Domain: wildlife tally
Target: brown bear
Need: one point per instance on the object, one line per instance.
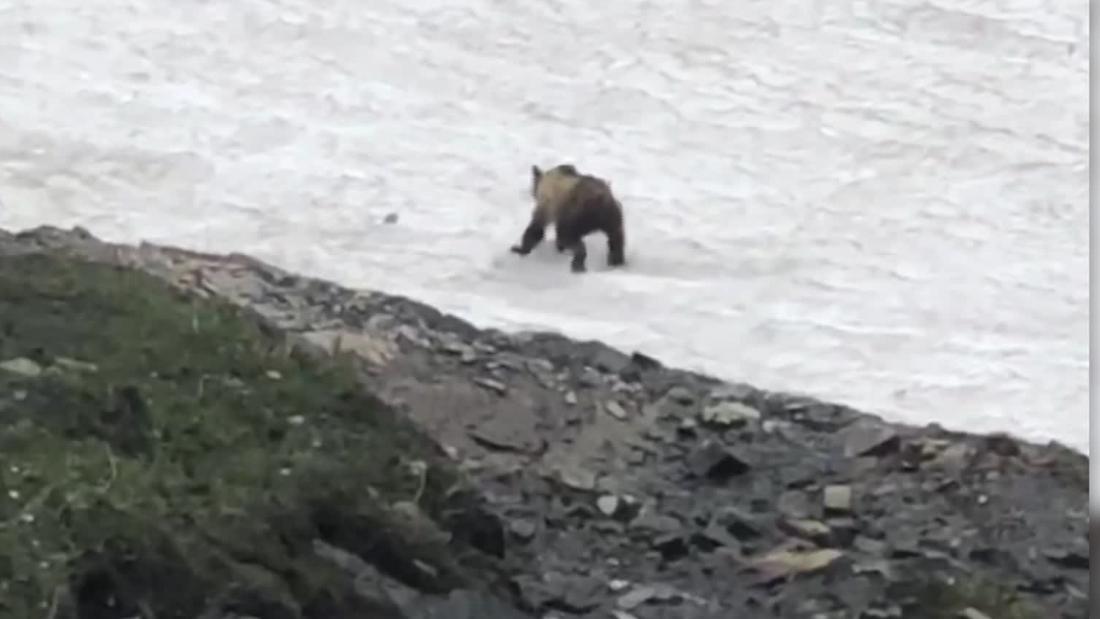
(577, 205)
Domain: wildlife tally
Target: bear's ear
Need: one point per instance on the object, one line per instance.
(568, 168)
(536, 173)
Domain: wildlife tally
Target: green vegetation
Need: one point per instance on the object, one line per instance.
(164, 455)
(930, 598)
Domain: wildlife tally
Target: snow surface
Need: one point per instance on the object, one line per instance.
(877, 202)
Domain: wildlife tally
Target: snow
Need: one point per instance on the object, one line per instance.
(881, 203)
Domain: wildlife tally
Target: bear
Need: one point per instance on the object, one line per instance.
(577, 205)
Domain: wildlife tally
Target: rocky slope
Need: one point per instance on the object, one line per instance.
(622, 488)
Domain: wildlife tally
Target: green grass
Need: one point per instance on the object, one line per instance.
(190, 463)
(937, 598)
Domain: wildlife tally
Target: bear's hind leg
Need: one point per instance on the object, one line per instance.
(580, 253)
(615, 246)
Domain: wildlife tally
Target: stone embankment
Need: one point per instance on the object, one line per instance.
(616, 487)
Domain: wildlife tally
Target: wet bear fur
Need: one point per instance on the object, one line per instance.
(576, 205)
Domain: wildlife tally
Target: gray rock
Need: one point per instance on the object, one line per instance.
(954, 458)
(590, 378)
(729, 414)
(714, 536)
(523, 529)
(573, 594)
(1002, 444)
(837, 498)
(618, 585)
(577, 478)
(813, 530)
(608, 504)
(973, 613)
(716, 462)
(869, 438)
(76, 365)
(681, 395)
(615, 409)
(788, 562)
(1069, 559)
(733, 391)
(610, 360)
(461, 604)
(642, 594)
(453, 345)
(390, 218)
(504, 433)
(492, 384)
(652, 522)
(570, 398)
(742, 525)
(672, 546)
(22, 367)
(795, 504)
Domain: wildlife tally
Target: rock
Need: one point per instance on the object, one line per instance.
(618, 585)
(390, 218)
(687, 427)
(577, 478)
(973, 613)
(681, 395)
(570, 398)
(782, 563)
(492, 384)
(795, 504)
(83, 366)
(1068, 559)
(838, 498)
(714, 536)
(843, 531)
(715, 462)
(891, 611)
(644, 362)
(642, 594)
(652, 522)
(610, 360)
(672, 547)
(931, 447)
(1002, 444)
(375, 350)
(733, 391)
(813, 530)
(954, 459)
(729, 414)
(515, 434)
(740, 524)
(869, 438)
(615, 409)
(590, 378)
(22, 367)
(608, 505)
(453, 345)
(569, 593)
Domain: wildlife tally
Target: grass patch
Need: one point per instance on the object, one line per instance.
(935, 598)
(165, 455)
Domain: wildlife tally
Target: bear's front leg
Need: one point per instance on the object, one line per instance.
(532, 236)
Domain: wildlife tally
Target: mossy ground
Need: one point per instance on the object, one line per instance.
(927, 598)
(186, 459)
